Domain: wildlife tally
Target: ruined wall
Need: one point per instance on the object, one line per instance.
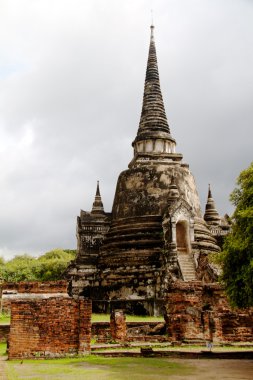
(196, 311)
(52, 327)
(135, 332)
(30, 289)
(36, 287)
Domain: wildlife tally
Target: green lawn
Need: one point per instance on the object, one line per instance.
(105, 368)
(102, 318)
(96, 368)
(129, 318)
(2, 349)
(4, 319)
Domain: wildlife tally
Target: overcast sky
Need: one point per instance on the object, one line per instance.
(71, 85)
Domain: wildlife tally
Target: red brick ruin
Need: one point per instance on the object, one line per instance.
(45, 321)
(33, 289)
(53, 327)
(58, 326)
(201, 311)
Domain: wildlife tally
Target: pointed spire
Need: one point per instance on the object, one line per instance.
(98, 190)
(211, 215)
(153, 121)
(97, 207)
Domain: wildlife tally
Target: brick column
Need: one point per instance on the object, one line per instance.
(85, 311)
(208, 325)
(218, 333)
(118, 325)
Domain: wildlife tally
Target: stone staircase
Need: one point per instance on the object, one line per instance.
(187, 266)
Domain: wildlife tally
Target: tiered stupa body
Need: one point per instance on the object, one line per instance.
(157, 233)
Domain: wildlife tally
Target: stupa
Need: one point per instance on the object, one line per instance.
(219, 226)
(155, 234)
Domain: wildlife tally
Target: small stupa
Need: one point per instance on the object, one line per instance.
(219, 226)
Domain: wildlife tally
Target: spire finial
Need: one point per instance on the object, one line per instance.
(152, 27)
(97, 207)
(98, 191)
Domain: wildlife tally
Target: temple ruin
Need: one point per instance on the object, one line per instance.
(156, 234)
(150, 255)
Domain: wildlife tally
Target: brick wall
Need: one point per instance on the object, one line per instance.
(197, 311)
(35, 287)
(15, 290)
(53, 327)
(135, 331)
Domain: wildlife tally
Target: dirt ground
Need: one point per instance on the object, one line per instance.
(2, 369)
(200, 369)
(217, 369)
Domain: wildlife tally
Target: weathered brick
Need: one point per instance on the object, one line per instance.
(55, 327)
(197, 311)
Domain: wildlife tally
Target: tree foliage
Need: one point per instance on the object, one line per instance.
(48, 267)
(237, 256)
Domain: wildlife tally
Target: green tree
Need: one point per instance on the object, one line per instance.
(237, 256)
(48, 267)
(52, 264)
(2, 262)
(20, 268)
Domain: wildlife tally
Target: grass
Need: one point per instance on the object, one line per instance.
(94, 368)
(3, 347)
(129, 318)
(100, 368)
(4, 319)
(140, 318)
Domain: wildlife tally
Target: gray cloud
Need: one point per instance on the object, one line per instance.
(71, 85)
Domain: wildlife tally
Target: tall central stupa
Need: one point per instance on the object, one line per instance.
(155, 234)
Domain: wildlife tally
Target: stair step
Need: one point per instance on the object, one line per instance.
(187, 267)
